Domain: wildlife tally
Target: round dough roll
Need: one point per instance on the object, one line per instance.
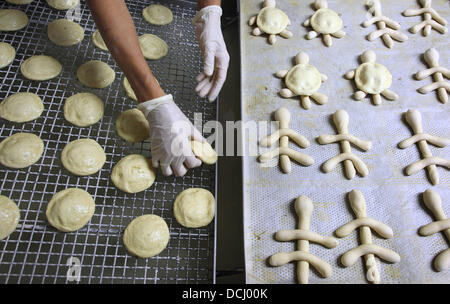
(63, 4)
(70, 209)
(9, 217)
(129, 90)
(64, 32)
(204, 152)
(83, 109)
(40, 67)
(132, 126)
(7, 54)
(194, 207)
(21, 107)
(98, 41)
(12, 20)
(21, 150)
(133, 173)
(157, 14)
(83, 157)
(146, 236)
(152, 46)
(95, 74)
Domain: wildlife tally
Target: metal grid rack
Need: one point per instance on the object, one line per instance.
(38, 253)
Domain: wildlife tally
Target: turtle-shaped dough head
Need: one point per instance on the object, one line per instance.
(272, 21)
(303, 80)
(325, 22)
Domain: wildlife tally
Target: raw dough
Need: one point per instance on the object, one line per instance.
(303, 208)
(272, 21)
(324, 22)
(194, 207)
(283, 116)
(21, 107)
(157, 14)
(132, 126)
(63, 4)
(152, 46)
(133, 173)
(432, 19)
(9, 217)
(83, 157)
(366, 249)
(98, 41)
(350, 160)
(70, 209)
(12, 20)
(304, 80)
(129, 89)
(414, 119)
(20, 2)
(146, 236)
(95, 74)
(64, 32)
(204, 152)
(40, 67)
(21, 150)
(83, 109)
(7, 54)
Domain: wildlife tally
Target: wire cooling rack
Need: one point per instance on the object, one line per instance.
(38, 253)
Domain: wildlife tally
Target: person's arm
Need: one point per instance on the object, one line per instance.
(117, 29)
(203, 3)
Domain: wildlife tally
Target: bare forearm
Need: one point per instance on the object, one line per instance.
(117, 29)
(203, 3)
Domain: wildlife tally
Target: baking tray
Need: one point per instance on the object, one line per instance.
(392, 197)
(36, 252)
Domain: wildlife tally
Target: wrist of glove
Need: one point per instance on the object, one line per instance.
(215, 55)
(170, 135)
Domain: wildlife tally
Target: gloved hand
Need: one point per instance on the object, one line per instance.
(170, 132)
(214, 50)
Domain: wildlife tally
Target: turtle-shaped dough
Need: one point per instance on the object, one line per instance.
(325, 22)
(372, 78)
(303, 80)
(272, 21)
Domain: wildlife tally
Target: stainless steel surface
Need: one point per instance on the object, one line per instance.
(36, 252)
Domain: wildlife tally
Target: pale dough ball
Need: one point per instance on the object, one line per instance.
(157, 14)
(83, 109)
(95, 74)
(152, 46)
(146, 236)
(12, 20)
(326, 21)
(372, 78)
(204, 152)
(21, 150)
(303, 79)
(7, 54)
(40, 67)
(133, 173)
(64, 32)
(70, 209)
(83, 157)
(21, 107)
(20, 2)
(98, 41)
(9, 217)
(194, 207)
(272, 20)
(132, 126)
(63, 4)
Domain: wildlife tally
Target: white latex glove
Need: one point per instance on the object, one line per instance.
(170, 132)
(214, 50)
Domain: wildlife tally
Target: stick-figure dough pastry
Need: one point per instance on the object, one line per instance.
(283, 116)
(431, 19)
(366, 249)
(438, 73)
(372, 78)
(387, 28)
(303, 80)
(272, 21)
(303, 208)
(351, 161)
(324, 22)
(428, 161)
(433, 202)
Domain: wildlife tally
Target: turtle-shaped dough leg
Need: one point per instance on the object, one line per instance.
(369, 57)
(302, 59)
